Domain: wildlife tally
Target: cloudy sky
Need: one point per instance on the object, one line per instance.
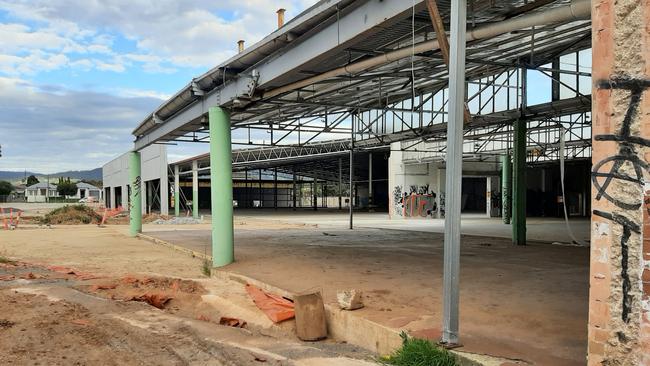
(76, 76)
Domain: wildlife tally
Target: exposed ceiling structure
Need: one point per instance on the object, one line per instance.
(371, 70)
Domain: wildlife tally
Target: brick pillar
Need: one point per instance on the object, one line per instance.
(619, 299)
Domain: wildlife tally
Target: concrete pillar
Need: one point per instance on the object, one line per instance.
(275, 188)
(135, 180)
(164, 189)
(506, 188)
(195, 189)
(488, 196)
(177, 192)
(370, 200)
(340, 183)
(111, 197)
(519, 185)
(619, 298)
(314, 193)
(125, 196)
(454, 176)
(293, 186)
(221, 187)
(261, 192)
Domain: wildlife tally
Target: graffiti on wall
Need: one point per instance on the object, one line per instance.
(419, 201)
(628, 168)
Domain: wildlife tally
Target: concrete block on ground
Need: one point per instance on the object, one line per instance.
(350, 299)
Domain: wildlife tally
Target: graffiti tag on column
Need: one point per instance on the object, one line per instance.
(136, 187)
(616, 168)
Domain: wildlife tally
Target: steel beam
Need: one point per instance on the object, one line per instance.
(519, 185)
(451, 266)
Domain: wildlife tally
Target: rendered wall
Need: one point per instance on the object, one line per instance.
(619, 299)
(154, 166)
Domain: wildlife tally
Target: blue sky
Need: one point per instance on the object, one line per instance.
(76, 76)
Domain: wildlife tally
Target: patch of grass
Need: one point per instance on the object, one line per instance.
(419, 352)
(5, 260)
(71, 214)
(206, 267)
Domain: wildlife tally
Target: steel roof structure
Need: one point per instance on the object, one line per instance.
(373, 66)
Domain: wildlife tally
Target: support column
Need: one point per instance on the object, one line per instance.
(454, 171)
(195, 188)
(135, 207)
(506, 188)
(340, 183)
(113, 201)
(370, 200)
(164, 190)
(351, 171)
(275, 188)
(221, 187)
(619, 283)
(314, 193)
(261, 192)
(177, 192)
(293, 186)
(519, 185)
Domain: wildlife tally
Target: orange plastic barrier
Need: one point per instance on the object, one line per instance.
(275, 307)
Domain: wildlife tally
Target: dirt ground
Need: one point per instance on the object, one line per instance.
(524, 303)
(84, 295)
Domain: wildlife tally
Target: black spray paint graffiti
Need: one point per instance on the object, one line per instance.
(614, 168)
(136, 187)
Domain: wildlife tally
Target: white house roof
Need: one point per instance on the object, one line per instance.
(41, 185)
(84, 185)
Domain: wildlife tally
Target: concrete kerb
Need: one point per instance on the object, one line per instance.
(342, 325)
(175, 247)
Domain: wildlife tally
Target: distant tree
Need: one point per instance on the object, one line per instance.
(93, 182)
(66, 188)
(5, 188)
(31, 180)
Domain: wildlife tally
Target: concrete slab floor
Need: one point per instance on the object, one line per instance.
(527, 303)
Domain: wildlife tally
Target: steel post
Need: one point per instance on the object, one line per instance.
(454, 172)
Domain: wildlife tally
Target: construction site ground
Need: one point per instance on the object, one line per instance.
(521, 303)
(525, 304)
(66, 297)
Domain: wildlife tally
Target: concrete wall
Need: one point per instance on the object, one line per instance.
(154, 166)
(619, 298)
(417, 189)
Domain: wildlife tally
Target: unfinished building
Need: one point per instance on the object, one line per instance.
(528, 108)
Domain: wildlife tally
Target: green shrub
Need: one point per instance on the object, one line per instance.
(419, 352)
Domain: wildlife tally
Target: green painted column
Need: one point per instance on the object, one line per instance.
(506, 188)
(221, 187)
(135, 204)
(519, 185)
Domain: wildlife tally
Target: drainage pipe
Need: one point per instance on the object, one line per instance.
(576, 10)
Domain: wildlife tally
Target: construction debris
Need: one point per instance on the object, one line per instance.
(310, 317)
(350, 299)
(275, 307)
(177, 221)
(232, 322)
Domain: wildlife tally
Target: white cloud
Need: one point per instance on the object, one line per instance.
(190, 33)
(51, 131)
